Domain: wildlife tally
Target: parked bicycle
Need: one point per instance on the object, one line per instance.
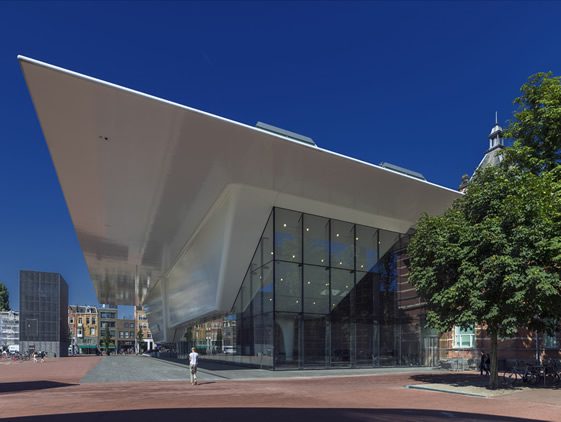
(520, 373)
(532, 374)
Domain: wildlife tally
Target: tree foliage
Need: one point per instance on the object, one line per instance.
(494, 258)
(140, 340)
(536, 129)
(4, 298)
(107, 342)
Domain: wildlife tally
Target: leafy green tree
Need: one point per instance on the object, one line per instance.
(494, 258)
(107, 339)
(219, 340)
(4, 298)
(140, 340)
(536, 130)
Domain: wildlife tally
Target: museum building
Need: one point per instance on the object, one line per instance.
(298, 252)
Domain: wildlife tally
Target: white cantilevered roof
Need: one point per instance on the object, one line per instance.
(140, 175)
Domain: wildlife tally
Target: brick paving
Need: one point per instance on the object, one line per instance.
(51, 392)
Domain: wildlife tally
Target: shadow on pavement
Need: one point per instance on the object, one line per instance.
(12, 387)
(270, 415)
(456, 379)
(475, 380)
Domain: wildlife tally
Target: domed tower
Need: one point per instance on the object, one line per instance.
(493, 155)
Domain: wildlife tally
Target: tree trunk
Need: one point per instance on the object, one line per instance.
(494, 378)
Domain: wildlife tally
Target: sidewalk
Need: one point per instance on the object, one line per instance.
(227, 371)
(118, 388)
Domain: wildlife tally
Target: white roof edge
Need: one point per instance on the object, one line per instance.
(22, 58)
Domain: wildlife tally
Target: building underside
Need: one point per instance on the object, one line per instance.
(169, 203)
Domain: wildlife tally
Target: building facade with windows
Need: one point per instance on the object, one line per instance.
(219, 228)
(108, 327)
(43, 313)
(9, 328)
(142, 325)
(125, 332)
(83, 324)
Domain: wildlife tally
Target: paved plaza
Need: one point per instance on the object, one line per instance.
(119, 388)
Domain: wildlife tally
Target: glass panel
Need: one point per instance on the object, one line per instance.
(316, 240)
(256, 291)
(364, 295)
(410, 339)
(335, 289)
(288, 235)
(342, 282)
(287, 330)
(258, 257)
(386, 241)
(288, 287)
(246, 295)
(316, 289)
(340, 342)
(266, 272)
(246, 337)
(267, 338)
(365, 339)
(267, 241)
(342, 244)
(315, 340)
(388, 346)
(366, 248)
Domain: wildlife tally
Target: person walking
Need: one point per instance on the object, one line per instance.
(193, 361)
(484, 363)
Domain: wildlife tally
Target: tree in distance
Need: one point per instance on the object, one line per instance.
(140, 340)
(107, 342)
(494, 258)
(4, 298)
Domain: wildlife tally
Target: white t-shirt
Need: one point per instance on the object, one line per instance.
(193, 356)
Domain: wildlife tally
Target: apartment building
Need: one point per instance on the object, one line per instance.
(83, 325)
(142, 325)
(107, 328)
(9, 328)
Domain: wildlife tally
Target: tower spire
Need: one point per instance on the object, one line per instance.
(495, 137)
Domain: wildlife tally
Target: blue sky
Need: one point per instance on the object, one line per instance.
(411, 83)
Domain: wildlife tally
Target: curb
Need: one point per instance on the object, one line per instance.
(442, 390)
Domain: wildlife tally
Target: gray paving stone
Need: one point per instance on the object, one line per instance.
(142, 368)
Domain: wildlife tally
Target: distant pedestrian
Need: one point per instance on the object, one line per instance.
(34, 357)
(484, 363)
(193, 362)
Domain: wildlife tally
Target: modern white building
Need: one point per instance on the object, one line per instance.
(9, 328)
(196, 216)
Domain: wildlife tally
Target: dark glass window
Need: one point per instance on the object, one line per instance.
(288, 235)
(316, 240)
(366, 248)
(287, 334)
(342, 244)
(288, 287)
(316, 289)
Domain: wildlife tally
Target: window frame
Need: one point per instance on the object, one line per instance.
(459, 334)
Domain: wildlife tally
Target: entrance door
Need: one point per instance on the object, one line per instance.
(430, 351)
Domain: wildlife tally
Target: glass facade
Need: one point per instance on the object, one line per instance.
(321, 293)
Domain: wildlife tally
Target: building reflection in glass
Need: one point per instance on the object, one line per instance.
(320, 293)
